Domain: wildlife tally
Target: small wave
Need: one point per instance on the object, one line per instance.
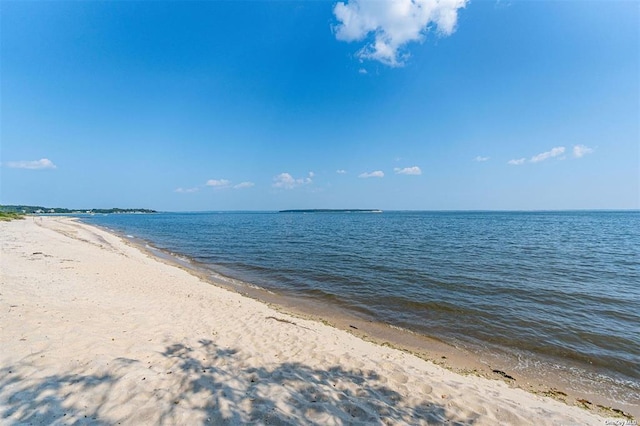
(180, 257)
(257, 287)
(402, 329)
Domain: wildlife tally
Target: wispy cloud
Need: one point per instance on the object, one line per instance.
(376, 174)
(393, 25)
(244, 185)
(186, 190)
(559, 150)
(341, 172)
(286, 181)
(481, 159)
(218, 183)
(43, 163)
(580, 151)
(415, 170)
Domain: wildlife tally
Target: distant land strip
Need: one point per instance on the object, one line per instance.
(58, 210)
(332, 211)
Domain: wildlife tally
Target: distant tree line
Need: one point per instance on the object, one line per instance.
(58, 210)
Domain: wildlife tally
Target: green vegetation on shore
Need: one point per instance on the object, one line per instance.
(58, 210)
(7, 216)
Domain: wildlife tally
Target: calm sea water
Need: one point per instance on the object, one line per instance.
(555, 287)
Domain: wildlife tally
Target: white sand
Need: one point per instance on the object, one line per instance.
(94, 331)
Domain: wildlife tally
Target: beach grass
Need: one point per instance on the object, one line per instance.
(7, 216)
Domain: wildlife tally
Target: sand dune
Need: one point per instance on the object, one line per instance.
(94, 331)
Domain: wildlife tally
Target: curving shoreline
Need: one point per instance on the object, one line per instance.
(115, 335)
(564, 382)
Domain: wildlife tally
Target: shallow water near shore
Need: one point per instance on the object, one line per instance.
(552, 293)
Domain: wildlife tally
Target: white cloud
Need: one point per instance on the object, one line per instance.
(580, 151)
(43, 163)
(363, 71)
(286, 181)
(341, 172)
(480, 159)
(218, 183)
(186, 190)
(393, 24)
(244, 185)
(377, 174)
(559, 150)
(415, 170)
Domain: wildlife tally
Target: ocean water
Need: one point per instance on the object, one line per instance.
(554, 290)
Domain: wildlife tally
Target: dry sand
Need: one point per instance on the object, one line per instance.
(94, 331)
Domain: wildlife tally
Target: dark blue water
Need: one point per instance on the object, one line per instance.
(561, 286)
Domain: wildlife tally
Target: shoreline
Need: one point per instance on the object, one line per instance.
(546, 378)
(86, 325)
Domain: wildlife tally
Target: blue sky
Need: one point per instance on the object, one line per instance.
(264, 105)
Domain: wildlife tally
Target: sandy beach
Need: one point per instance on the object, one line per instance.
(95, 331)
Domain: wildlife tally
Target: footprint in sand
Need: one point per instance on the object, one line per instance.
(399, 377)
(426, 389)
